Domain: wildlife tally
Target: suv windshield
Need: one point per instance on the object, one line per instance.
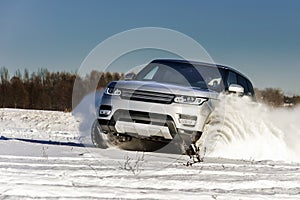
(185, 74)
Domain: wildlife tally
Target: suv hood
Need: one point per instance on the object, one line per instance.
(164, 88)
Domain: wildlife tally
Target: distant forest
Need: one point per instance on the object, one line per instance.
(47, 90)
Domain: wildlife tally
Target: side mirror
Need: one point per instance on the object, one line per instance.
(235, 88)
(129, 76)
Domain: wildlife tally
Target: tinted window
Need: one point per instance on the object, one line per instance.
(200, 76)
(150, 74)
(243, 82)
(250, 87)
(232, 79)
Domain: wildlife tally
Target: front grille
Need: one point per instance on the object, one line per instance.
(154, 97)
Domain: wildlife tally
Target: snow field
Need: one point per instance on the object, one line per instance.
(30, 170)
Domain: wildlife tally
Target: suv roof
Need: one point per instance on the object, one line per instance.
(198, 63)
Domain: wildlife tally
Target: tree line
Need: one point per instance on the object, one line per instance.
(47, 90)
(276, 98)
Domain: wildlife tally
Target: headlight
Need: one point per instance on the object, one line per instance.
(190, 100)
(112, 91)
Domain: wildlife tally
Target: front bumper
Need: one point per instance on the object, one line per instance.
(139, 124)
(146, 120)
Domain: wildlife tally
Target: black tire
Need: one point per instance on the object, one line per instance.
(98, 137)
(213, 134)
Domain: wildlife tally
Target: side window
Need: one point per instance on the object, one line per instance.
(250, 87)
(232, 79)
(243, 82)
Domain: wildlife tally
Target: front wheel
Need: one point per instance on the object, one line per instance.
(213, 135)
(97, 136)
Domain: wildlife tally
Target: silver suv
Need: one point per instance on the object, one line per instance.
(165, 100)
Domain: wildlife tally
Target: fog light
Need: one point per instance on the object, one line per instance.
(104, 112)
(187, 120)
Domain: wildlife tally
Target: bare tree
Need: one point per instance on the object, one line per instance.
(18, 93)
(271, 96)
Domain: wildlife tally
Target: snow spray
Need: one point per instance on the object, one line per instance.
(242, 129)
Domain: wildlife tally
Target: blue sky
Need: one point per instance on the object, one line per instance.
(260, 38)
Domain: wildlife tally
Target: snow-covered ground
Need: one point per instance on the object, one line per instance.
(41, 157)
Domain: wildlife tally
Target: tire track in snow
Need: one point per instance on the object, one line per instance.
(87, 178)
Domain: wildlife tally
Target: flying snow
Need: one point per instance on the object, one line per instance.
(242, 129)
